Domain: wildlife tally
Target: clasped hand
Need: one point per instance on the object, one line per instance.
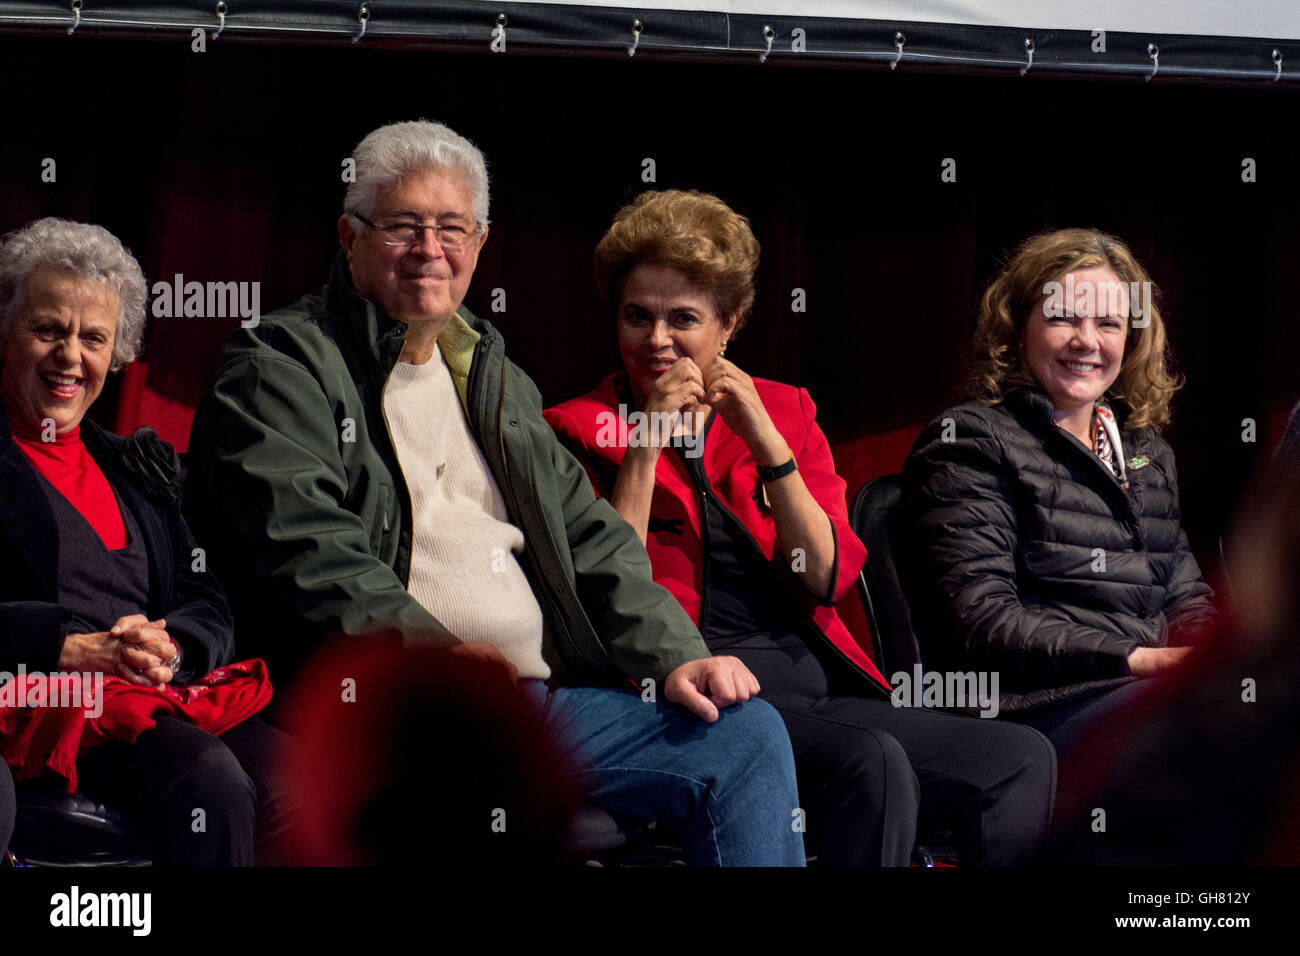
(729, 391)
(135, 648)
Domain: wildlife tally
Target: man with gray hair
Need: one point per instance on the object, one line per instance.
(368, 465)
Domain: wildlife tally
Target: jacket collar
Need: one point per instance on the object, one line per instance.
(109, 450)
(373, 333)
(457, 343)
(368, 329)
(1032, 404)
(1034, 409)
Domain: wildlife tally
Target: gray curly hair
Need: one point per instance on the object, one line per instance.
(389, 154)
(88, 251)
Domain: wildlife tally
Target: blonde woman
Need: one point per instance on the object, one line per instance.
(1048, 544)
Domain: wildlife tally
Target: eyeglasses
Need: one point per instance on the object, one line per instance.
(453, 237)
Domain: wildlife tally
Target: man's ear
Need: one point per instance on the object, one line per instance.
(347, 234)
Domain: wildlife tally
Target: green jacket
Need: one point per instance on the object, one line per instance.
(294, 489)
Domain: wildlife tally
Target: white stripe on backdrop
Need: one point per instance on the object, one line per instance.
(1274, 19)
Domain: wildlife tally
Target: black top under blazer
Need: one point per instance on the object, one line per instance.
(1026, 555)
(145, 473)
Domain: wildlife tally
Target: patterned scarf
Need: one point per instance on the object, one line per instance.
(1106, 442)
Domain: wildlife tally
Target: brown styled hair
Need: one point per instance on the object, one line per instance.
(1146, 381)
(695, 233)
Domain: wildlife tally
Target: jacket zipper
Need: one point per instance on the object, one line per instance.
(558, 615)
(703, 497)
(400, 487)
(1129, 494)
(737, 523)
(1079, 447)
(1135, 520)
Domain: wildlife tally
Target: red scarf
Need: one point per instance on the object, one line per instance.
(39, 736)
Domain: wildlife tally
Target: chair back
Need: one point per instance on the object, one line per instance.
(874, 516)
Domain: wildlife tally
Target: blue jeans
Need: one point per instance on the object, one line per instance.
(730, 784)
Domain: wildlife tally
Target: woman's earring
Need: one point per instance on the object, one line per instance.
(723, 350)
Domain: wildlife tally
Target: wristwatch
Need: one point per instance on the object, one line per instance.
(767, 474)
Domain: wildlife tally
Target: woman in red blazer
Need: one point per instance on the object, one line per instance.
(731, 485)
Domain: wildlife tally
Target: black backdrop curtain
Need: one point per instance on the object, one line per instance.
(225, 165)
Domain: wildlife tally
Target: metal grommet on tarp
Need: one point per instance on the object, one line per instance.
(363, 18)
(76, 17)
(1277, 62)
(221, 18)
(899, 41)
(637, 27)
(768, 35)
(1153, 52)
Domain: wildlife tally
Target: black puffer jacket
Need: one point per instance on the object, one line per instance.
(1029, 558)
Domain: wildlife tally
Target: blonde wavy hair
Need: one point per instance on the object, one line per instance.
(1146, 381)
(696, 234)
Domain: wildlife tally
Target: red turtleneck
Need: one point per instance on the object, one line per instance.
(69, 468)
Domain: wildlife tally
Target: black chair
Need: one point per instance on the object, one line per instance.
(874, 517)
(57, 828)
(598, 837)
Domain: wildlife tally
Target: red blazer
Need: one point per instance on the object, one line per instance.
(674, 537)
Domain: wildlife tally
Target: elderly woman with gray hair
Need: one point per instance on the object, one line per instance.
(98, 573)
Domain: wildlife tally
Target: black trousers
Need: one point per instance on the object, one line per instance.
(1069, 725)
(871, 775)
(8, 806)
(200, 800)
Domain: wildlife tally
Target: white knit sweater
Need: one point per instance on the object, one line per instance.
(464, 565)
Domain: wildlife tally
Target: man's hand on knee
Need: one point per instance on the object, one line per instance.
(704, 685)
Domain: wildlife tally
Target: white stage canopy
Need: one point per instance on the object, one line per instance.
(1169, 40)
(1273, 19)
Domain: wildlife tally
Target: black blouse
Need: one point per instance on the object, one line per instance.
(744, 605)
